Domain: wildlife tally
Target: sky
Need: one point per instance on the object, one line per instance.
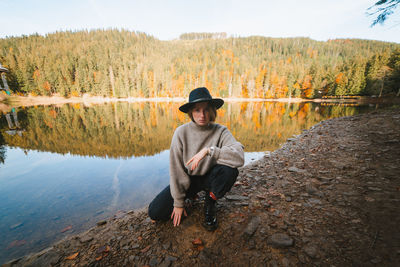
(166, 20)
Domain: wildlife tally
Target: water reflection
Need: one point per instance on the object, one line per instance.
(136, 129)
(69, 166)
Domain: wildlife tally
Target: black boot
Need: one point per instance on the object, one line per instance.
(210, 214)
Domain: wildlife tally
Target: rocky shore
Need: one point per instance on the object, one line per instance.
(329, 197)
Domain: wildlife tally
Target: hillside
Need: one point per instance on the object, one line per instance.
(133, 64)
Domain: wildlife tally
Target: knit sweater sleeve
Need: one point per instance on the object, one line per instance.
(229, 152)
(179, 179)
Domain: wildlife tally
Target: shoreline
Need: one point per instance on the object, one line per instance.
(9, 102)
(288, 208)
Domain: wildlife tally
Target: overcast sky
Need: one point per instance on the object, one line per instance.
(166, 20)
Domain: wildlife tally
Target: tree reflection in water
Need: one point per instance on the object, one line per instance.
(135, 129)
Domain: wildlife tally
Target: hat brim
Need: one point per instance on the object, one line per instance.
(216, 102)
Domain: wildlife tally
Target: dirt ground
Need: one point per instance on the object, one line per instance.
(329, 197)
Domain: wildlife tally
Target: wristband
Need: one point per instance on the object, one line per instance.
(210, 150)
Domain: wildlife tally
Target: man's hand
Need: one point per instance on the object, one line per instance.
(197, 158)
(176, 215)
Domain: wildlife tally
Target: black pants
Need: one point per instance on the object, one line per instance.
(218, 180)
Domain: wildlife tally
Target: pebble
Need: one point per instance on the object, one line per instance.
(311, 251)
(314, 201)
(167, 245)
(374, 188)
(311, 189)
(280, 240)
(297, 170)
(100, 223)
(236, 197)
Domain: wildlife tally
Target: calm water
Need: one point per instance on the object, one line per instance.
(66, 167)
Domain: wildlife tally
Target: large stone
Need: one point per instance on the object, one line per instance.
(168, 261)
(251, 227)
(280, 240)
(85, 238)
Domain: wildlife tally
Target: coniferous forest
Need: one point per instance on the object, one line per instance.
(119, 63)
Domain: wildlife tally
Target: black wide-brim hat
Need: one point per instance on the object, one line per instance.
(201, 94)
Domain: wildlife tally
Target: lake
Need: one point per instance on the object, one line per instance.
(65, 167)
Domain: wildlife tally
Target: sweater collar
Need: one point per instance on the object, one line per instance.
(201, 128)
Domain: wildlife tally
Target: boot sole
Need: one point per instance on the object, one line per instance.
(210, 228)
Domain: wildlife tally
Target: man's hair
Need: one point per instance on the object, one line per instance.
(211, 109)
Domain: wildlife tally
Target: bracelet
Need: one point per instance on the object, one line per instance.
(210, 151)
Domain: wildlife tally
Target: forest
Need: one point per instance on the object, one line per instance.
(120, 63)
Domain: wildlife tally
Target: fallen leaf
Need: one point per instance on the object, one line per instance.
(199, 248)
(103, 249)
(16, 243)
(238, 183)
(261, 197)
(197, 242)
(73, 256)
(146, 249)
(69, 227)
(140, 238)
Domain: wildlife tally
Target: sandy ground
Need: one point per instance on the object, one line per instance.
(329, 197)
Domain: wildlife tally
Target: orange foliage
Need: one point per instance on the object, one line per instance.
(260, 81)
(180, 84)
(53, 113)
(153, 115)
(312, 53)
(49, 124)
(245, 90)
(36, 74)
(46, 86)
(150, 79)
(339, 78)
(306, 87)
(221, 113)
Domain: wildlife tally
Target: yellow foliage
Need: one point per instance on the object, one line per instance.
(74, 93)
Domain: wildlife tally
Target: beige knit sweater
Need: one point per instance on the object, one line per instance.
(187, 141)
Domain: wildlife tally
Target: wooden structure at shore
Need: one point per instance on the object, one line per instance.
(3, 78)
